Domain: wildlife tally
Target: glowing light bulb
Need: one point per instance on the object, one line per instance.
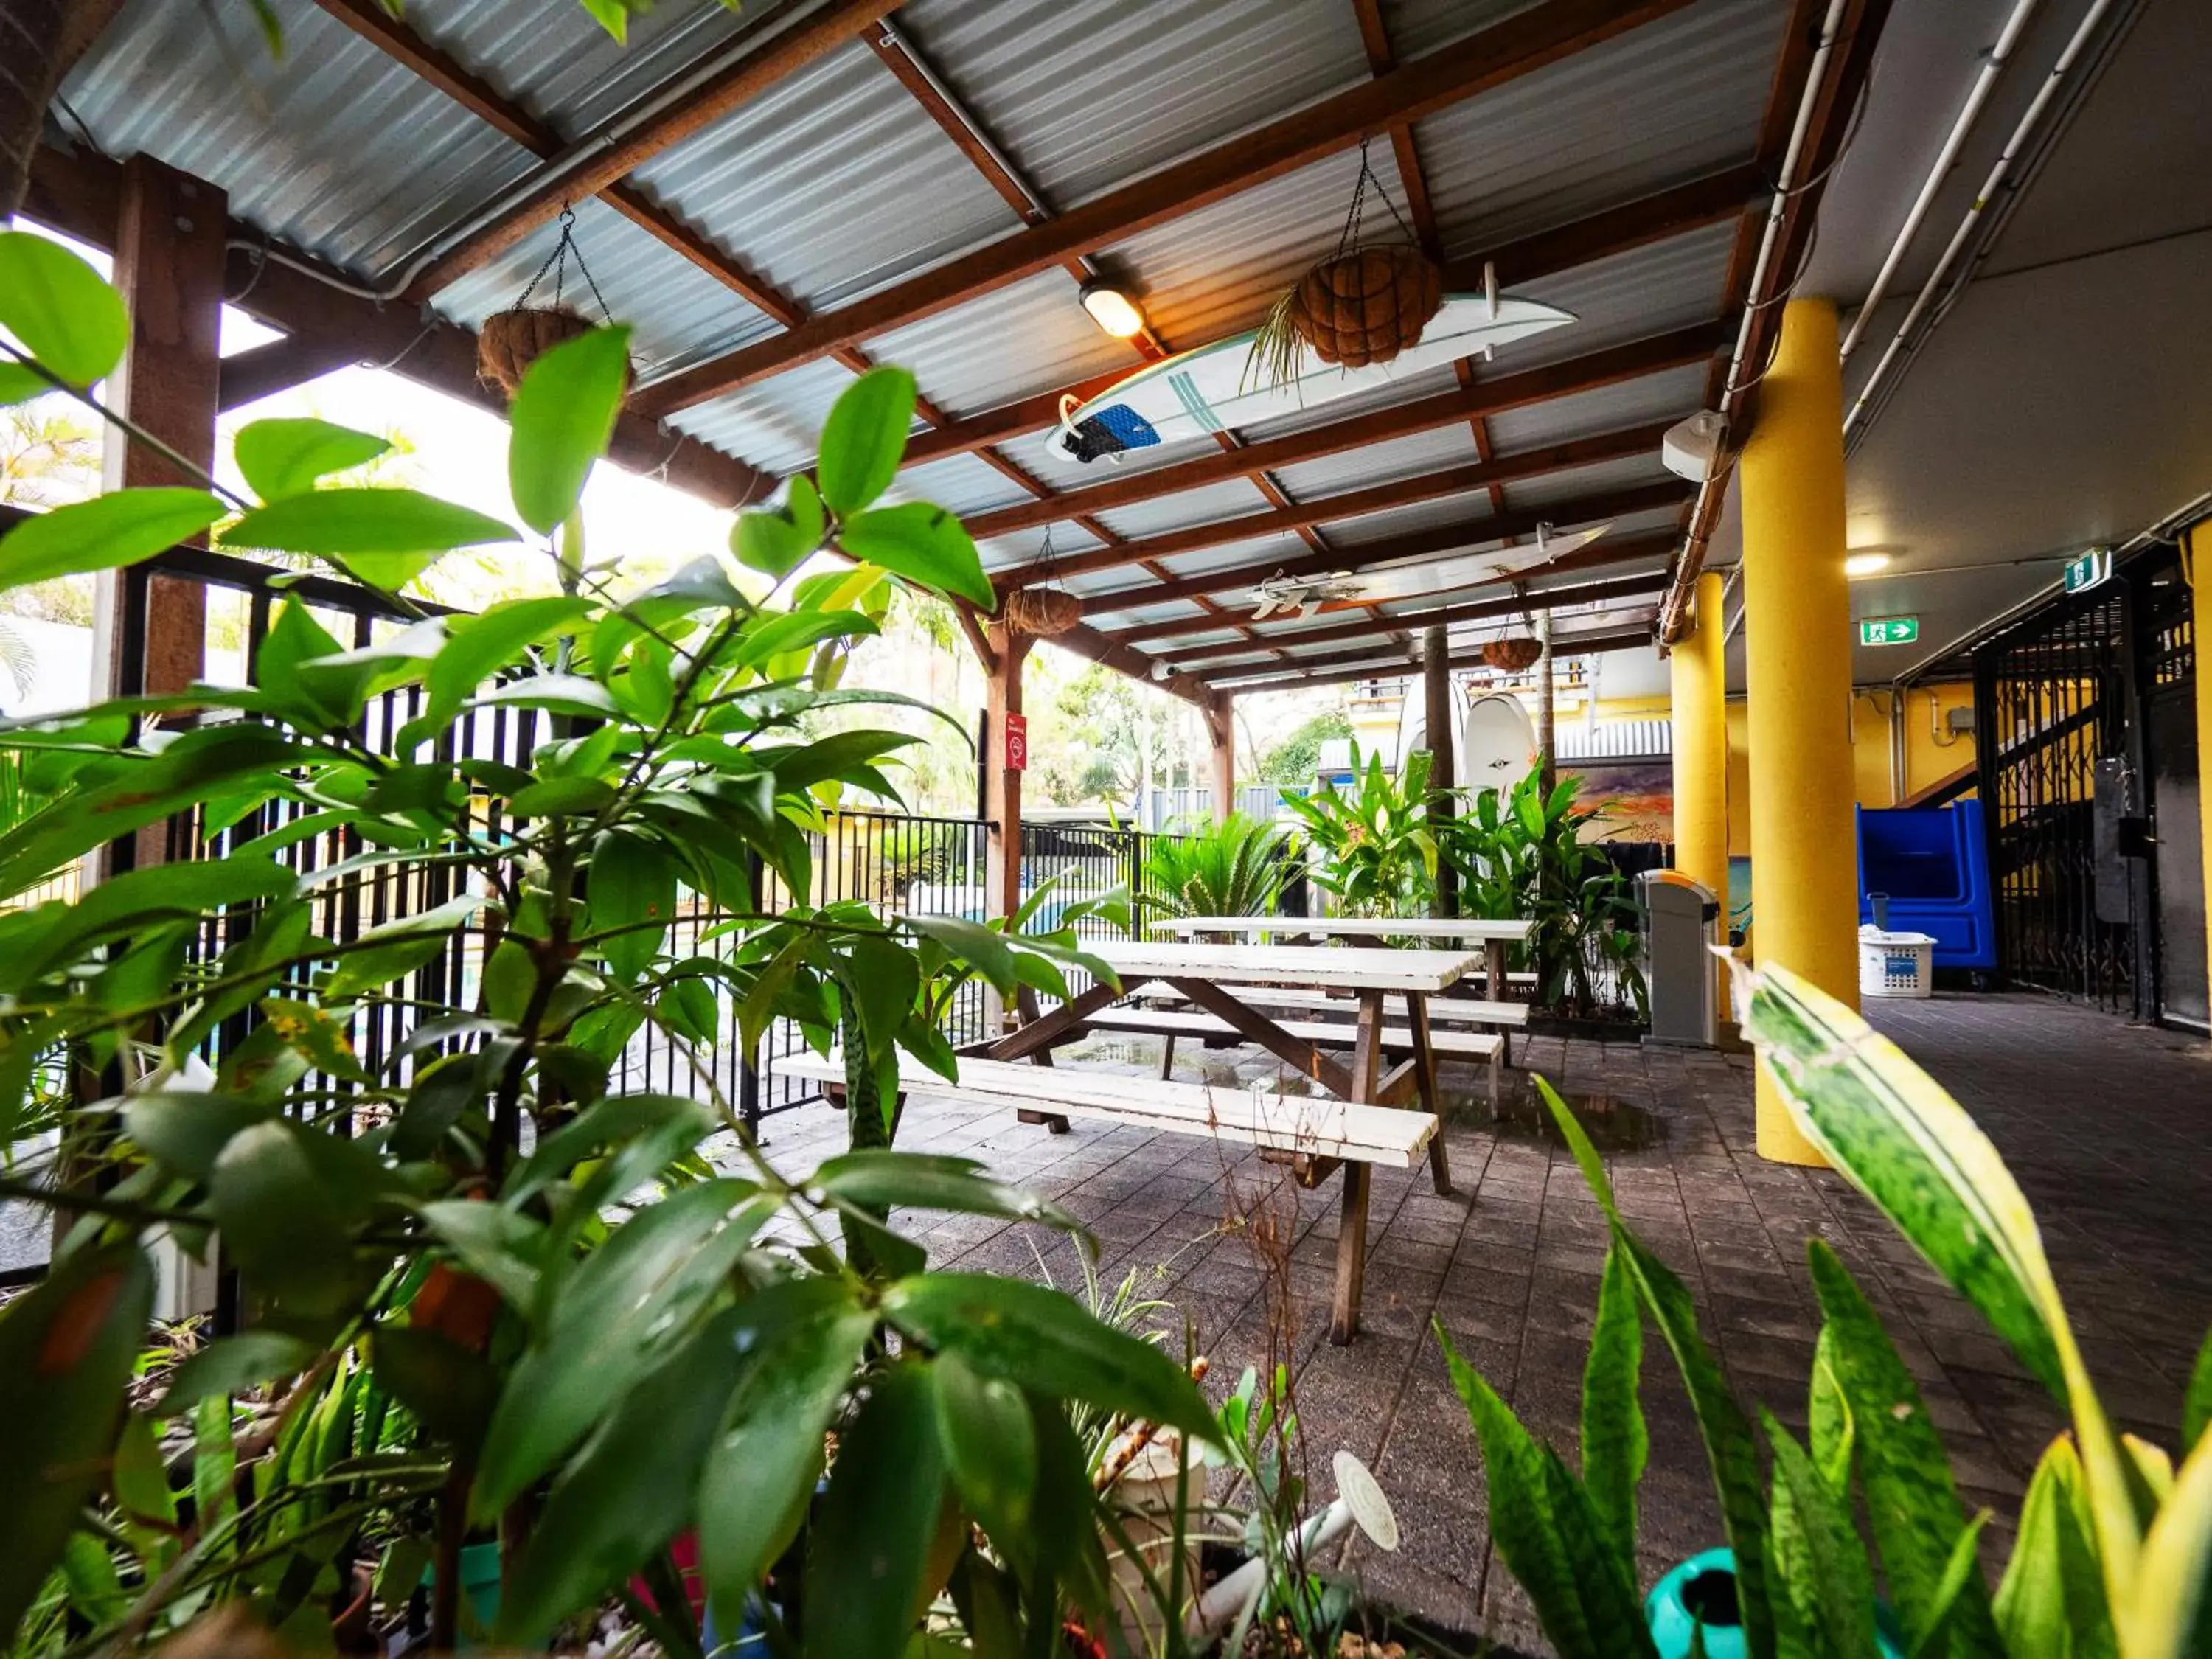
(1112, 309)
(1865, 564)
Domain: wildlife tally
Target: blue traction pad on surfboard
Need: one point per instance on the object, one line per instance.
(1122, 427)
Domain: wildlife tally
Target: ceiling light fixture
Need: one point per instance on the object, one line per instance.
(1865, 564)
(1111, 309)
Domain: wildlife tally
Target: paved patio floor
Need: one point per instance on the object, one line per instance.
(2106, 1127)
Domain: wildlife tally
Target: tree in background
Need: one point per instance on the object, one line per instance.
(1297, 756)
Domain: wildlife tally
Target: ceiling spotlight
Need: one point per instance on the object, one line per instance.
(1865, 564)
(1112, 309)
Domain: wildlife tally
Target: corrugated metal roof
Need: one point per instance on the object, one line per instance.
(1386, 463)
(1671, 100)
(1087, 97)
(1539, 495)
(832, 184)
(837, 182)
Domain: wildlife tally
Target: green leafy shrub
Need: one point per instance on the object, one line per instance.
(1233, 868)
(2115, 1543)
(1375, 843)
(493, 1293)
(1519, 854)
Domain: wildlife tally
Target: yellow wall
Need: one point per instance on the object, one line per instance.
(1931, 754)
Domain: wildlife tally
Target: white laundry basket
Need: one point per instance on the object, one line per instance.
(1896, 965)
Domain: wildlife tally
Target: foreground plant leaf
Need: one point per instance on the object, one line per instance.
(103, 533)
(281, 458)
(66, 1348)
(559, 422)
(869, 1548)
(1616, 1444)
(57, 304)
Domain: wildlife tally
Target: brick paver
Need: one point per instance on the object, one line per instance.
(2105, 1126)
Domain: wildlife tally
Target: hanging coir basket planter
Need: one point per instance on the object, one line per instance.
(1041, 609)
(1365, 304)
(511, 340)
(1514, 655)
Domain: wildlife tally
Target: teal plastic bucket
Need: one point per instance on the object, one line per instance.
(1699, 1596)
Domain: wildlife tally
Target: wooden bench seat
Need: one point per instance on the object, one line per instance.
(1316, 1134)
(1169, 1023)
(1314, 1125)
(1454, 1011)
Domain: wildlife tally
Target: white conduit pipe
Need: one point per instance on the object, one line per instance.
(1946, 159)
(2015, 147)
(1670, 611)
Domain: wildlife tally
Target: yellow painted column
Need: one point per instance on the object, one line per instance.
(2200, 591)
(1698, 674)
(1797, 638)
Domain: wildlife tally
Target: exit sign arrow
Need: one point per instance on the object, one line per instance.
(1889, 630)
(2089, 569)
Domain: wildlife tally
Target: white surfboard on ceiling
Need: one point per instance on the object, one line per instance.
(1500, 745)
(1219, 387)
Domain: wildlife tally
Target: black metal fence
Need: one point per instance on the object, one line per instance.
(2064, 699)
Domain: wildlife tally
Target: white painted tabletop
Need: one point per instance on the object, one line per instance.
(1349, 967)
(1452, 927)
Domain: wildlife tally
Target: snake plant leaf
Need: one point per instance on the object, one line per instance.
(2051, 1599)
(1722, 1424)
(2169, 1594)
(1616, 1444)
(1828, 1415)
(1963, 1568)
(1820, 1560)
(1912, 1505)
(1894, 1133)
(2197, 1406)
(1550, 1533)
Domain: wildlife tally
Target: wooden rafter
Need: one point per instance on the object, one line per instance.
(774, 59)
(1366, 555)
(1364, 654)
(1530, 385)
(78, 193)
(262, 371)
(1207, 658)
(1639, 632)
(1602, 235)
(1598, 556)
(1356, 503)
(1489, 58)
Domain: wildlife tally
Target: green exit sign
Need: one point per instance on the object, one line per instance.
(2089, 569)
(1889, 630)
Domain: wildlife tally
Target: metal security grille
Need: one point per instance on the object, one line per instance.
(2059, 700)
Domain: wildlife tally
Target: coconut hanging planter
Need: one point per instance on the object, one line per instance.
(1363, 305)
(1041, 609)
(1367, 306)
(1512, 655)
(511, 340)
(1044, 611)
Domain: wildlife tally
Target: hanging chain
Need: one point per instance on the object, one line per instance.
(1042, 566)
(557, 262)
(1350, 239)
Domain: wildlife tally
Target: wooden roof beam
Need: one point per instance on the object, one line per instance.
(1529, 385)
(1602, 235)
(1597, 555)
(1206, 659)
(1606, 639)
(614, 151)
(1351, 504)
(1489, 58)
(1366, 555)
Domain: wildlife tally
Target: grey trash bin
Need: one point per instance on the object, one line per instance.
(1681, 923)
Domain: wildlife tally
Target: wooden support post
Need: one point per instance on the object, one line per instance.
(1547, 722)
(1002, 786)
(1437, 718)
(168, 267)
(1221, 726)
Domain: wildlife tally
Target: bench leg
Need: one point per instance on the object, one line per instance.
(1424, 1073)
(1351, 1256)
(1056, 1124)
(1496, 1077)
(1167, 1056)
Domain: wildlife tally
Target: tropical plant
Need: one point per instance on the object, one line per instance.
(1232, 868)
(2115, 1542)
(1375, 845)
(1520, 853)
(495, 1297)
(1297, 758)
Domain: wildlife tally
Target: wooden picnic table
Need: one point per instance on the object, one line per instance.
(1203, 973)
(1493, 936)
